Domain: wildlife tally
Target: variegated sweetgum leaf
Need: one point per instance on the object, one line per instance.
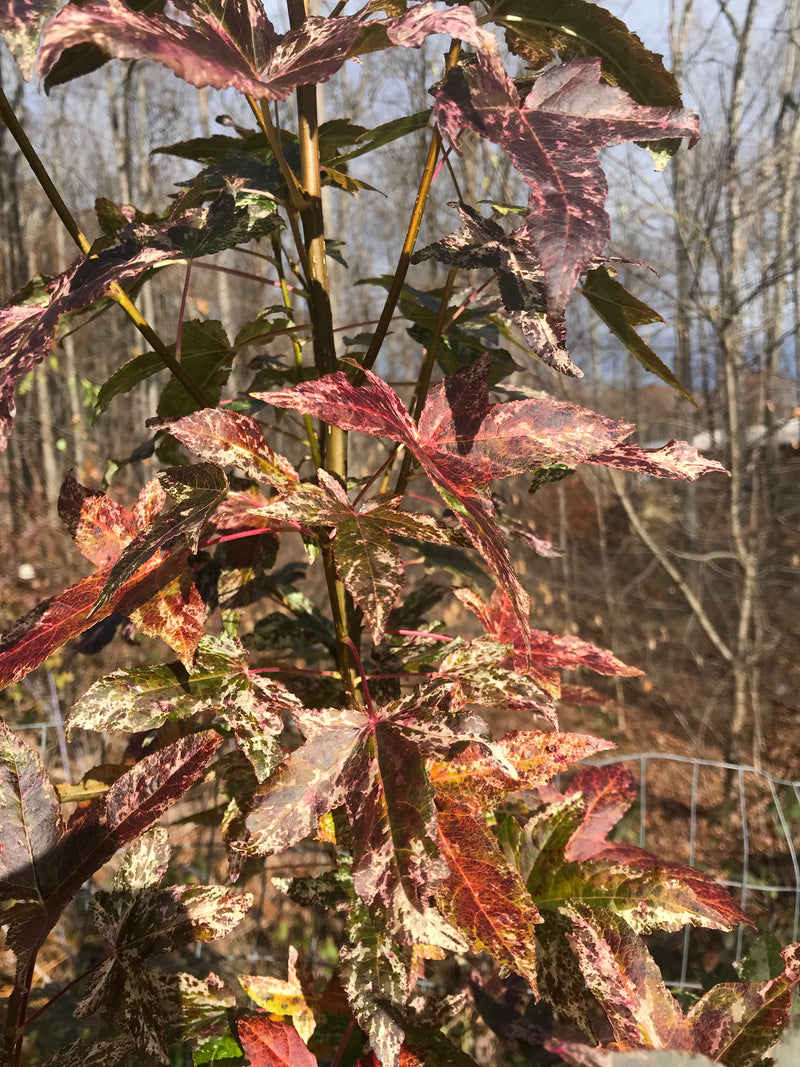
(30, 829)
(56, 620)
(736, 1023)
(552, 138)
(230, 439)
(220, 682)
(28, 331)
(306, 785)
(483, 895)
(273, 1044)
(478, 667)
(565, 858)
(211, 47)
(548, 654)
(89, 1053)
(145, 862)
(622, 975)
(100, 527)
(524, 759)
(293, 997)
(607, 793)
(376, 973)
(125, 811)
(195, 491)
(483, 243)
(536, 28)
(367, 560)
(373, 761)
(463, 440)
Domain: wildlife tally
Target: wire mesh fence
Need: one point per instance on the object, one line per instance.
(753, 852)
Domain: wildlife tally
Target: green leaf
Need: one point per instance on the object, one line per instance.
(369, 140)
(621, 312)
(217, 1051)
(207, 356)
(146, 697)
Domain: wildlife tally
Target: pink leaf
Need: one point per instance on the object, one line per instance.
(553, 138)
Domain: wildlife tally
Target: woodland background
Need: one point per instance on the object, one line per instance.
(695, 584)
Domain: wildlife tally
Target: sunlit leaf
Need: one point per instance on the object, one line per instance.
(622, 975)
(273, 1044)
(228, 438)
(284, 997)
(552, 138)
(484, 896)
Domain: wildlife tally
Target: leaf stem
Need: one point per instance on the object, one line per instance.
(423, 384)
(411, 237)
(319, 307)
(313, 442)
(115, 290)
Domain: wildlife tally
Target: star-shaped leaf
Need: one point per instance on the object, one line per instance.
(552, 138)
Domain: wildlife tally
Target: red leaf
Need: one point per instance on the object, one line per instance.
(553, 139)
(26, 333)
(100, 527)
(737, 1022)
(241, 49)
(132, 804)
(484, 896)
(608, 792)
(271, 1044)
(548, 653)
(463, 440)
(228, 438)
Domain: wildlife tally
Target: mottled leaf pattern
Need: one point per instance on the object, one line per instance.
(367, 560)
(483, 243)
(244, 53)
(30, 829)
(552, 138)
(737, 1022)
(622, 975)
(464, 440)
(483, 896)
(228, 438)
(219, 682)
(377, 982)
(195, 491)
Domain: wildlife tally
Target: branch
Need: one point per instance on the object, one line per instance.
(661, 557)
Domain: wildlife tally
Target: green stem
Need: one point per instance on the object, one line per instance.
(424, 381)
(404, 260)
(313, 443)
(319, 307)
(297, 200)
(115, 291)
